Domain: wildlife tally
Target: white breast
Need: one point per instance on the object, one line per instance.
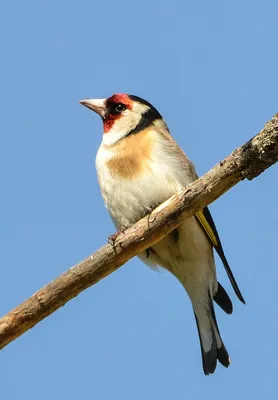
(128, 200)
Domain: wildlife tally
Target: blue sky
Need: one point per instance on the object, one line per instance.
(211, 70)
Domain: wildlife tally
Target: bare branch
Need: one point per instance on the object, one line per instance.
(248, 161)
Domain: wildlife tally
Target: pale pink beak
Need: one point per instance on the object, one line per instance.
(96, 105)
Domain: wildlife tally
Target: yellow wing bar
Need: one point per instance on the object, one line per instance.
(205, 220)
(207, 228)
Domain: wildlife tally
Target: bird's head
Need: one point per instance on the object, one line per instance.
(123, 115)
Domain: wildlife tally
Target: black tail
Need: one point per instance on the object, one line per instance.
(223, 300)
(212, 346)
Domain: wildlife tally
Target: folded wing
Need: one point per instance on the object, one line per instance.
(206, 222)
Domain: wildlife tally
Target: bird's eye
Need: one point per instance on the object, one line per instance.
(119, 108)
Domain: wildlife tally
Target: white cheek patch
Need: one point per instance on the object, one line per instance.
(122, 126)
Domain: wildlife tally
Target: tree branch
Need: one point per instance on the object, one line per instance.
(248, 161)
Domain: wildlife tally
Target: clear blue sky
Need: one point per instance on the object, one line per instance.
(210, 67)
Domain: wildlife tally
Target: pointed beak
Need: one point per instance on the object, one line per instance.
(96, 105)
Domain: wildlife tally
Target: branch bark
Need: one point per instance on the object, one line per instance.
(246, 162)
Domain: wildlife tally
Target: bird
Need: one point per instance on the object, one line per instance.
(139, 166)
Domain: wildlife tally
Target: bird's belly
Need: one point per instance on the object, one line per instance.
(130, 200)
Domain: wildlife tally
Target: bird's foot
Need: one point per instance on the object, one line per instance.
(112, 238)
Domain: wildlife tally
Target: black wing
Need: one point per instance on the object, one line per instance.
(205, 220)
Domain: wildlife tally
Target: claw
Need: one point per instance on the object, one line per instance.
(112, 238)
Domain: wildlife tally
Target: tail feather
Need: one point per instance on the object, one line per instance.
(222, 354)
(209, 357)
(212, 346)
(223, 300)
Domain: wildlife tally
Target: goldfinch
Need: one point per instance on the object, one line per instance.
(139, 166)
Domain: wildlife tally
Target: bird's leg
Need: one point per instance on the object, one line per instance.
(112, 238)
(150, 209)
(175, 235)
(148, 213)
(150, 250)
